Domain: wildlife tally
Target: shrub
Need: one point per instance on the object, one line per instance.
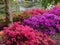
(55, 11)
(47, 23)
(28, 13)
(24, 35)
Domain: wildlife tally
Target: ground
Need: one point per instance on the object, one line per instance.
(56, 37)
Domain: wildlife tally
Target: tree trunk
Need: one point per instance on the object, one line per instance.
(9, 20)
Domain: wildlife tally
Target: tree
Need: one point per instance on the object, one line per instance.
(9, 20)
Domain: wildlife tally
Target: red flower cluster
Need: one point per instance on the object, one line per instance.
(34, 11)
(37, 11)
(24, 35)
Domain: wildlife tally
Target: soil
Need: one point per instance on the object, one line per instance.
(56, 37)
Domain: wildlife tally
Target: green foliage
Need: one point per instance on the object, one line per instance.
(46, 2)
(26, 4)
(2, 7)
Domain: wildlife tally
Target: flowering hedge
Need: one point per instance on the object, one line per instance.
(36, 11)
(24, 35)
(32, 12)
(47, 23)
(28, 13)
(55, 10)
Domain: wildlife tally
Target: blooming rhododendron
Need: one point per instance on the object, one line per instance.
(32, 12)
(28, 13)
(47, 23)
(55, 10)
(36, 11)
(24, 35)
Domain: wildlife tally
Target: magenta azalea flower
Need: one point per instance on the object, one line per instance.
(47, 23)
(24, 35)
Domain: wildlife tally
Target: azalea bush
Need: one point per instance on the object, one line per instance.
(47, 23)
(32, 12)
(36, 11)
(55, 10)
(24, 35)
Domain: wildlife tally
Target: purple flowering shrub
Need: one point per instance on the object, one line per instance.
(47, 23)
(55, 10)
(24, 35)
